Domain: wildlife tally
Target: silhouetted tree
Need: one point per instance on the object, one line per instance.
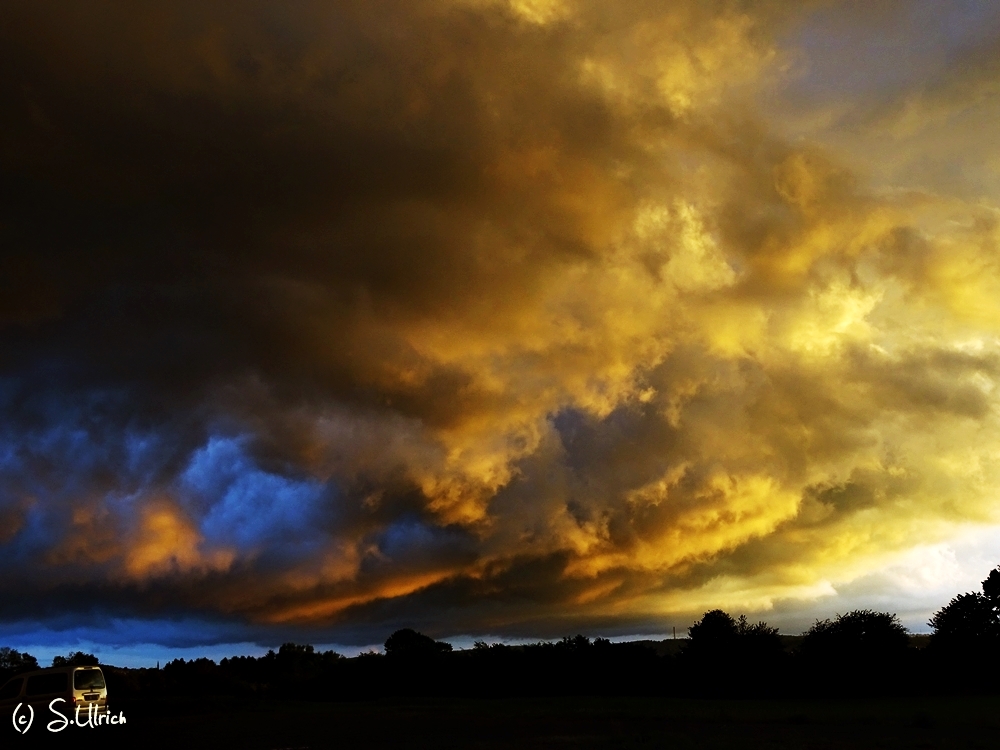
(715, 633)
(12, 662)
(576, 644)
(861, 633)
(965, 646)
(295, 651)
(408, 642)
(725, 656)
(991, 586)
(76, 659)
(970, 623)
(863, 652)
(758, 641)
(966, 623)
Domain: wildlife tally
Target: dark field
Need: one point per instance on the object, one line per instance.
(951, 722)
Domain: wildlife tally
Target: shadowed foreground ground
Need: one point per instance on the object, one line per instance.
(953, 722)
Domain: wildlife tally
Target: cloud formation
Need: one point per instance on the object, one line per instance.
(480, 316)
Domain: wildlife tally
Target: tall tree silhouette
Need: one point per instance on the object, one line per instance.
(758, 641)
(725, 655)
(718, 633)
(13, 661)
(970, 623)
(714, 634)
(991, 589)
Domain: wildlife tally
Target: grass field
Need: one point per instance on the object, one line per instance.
(953, 722)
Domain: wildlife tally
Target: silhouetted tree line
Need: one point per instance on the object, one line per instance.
(862, 652)
(14, 662)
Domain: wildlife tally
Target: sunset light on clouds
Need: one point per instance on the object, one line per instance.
(486, 317)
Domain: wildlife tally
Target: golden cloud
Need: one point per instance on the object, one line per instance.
(166, 543)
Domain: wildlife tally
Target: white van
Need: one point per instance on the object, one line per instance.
(77, 686)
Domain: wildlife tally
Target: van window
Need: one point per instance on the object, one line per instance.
(88, 679)
(43, 684)
(12, 689)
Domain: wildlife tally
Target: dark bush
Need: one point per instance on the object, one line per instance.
(862, 633)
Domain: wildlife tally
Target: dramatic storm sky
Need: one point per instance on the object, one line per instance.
(511, 318)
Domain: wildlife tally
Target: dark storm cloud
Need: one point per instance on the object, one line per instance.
(331, 317)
